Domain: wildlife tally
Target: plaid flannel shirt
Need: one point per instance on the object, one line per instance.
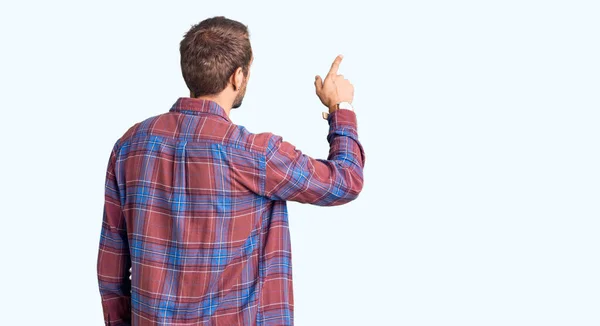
(195, 225)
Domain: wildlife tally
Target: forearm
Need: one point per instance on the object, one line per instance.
(292, 175)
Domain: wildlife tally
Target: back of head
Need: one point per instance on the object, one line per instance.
(211, 51)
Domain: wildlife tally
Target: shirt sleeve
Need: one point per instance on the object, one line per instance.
(113, 254)
(292, 175)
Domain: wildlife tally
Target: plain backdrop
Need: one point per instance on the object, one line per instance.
(479, 120)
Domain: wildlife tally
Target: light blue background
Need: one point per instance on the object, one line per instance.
(479, 121)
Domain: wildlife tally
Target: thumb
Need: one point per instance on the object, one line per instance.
(318, 83)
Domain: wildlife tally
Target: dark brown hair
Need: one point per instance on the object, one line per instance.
(211, 51)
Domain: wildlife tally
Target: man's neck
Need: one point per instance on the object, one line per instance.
(224, 104)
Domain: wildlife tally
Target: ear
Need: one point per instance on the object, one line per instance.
(237, 79)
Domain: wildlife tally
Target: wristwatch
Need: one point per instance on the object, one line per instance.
(338, 106)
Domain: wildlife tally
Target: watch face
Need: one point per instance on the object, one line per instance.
(345, 105)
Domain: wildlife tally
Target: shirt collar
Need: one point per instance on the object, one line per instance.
(197, 106)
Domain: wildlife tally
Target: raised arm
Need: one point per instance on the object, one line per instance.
(292, 175)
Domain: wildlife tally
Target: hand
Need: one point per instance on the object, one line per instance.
(335, 88)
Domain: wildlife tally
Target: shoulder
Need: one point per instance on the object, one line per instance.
(270, 144)
(259, 142)
(126, 136)
(140, 127)
(130, 132)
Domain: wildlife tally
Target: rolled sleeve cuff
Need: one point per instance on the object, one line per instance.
(342, 122)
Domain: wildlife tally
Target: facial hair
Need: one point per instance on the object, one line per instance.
(240, 96)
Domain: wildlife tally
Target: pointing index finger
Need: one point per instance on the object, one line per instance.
(335, 65)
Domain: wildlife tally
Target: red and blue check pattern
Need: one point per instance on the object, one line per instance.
(195, 208)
